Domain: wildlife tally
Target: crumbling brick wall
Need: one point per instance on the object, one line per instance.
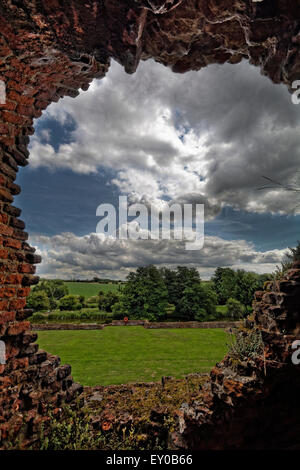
(53, 48)
(253, 403)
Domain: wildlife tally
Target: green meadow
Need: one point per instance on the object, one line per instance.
(89, 289)
(118, 355)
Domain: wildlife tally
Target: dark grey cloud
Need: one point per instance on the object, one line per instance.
(214, 132)
(202, 137)
(67, 255)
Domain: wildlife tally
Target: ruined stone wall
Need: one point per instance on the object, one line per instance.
(253, 403)
(53, 48)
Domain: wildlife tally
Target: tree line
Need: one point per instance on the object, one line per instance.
(161, 294)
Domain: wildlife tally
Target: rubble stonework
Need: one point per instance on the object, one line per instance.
(253, 404)
(53, 48)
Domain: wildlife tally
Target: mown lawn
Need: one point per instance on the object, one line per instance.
(89, 289)
(118, 355)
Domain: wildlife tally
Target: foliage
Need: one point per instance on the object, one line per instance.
(224, 283)
(235, 309)
(143, 431)
(294, 254)
(68, 432)
(201, 314)
(66, 316)
(289, 258)
(240, 285)
(107, 300)
(170, 278)
(94, 300)
(134, 427)
(38, 300)
(145, 294)
(160, 294)
(244, 345)
(191, 298)
(119, 310)
(70, 302)
(55, 289)
(209, 301)
(197, 303)
(246, 284)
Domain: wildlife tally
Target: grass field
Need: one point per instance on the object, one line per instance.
(89, 289)
(119, 355)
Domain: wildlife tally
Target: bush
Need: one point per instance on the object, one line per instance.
(86, 314)
(64, 316)
(72, 431)
(55, 289)
(38, 300)
(245, 345)
(119, 311)
(235, 309)
(38, 316)
(201, 315)
(92, 301)
(69, 302)
(107, 300)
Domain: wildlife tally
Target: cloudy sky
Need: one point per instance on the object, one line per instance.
(202, 137)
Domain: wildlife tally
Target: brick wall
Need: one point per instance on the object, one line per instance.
(192, 324)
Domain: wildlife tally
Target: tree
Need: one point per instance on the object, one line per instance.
(38, 300)
(145, 294)
(224, 284)
(107, 300)
(55, 289)
(183, 291)
(69, 302)
(119, 310)
(170, 278)
(81, 300)
(198, 302)
(240, 285)
(209, 300)
(246, 284)
(235, 309)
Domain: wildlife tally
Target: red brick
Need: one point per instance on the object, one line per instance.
(13, 279)
(5, 195)
(6, 317)
(6, 292)
(27, 268)
(19, 363)
(17, 304)
(10, 106)
(4, 218)
(9, 141)
(4, 129)
(5, 230)
(3, 304)
(11, 243)
(18, 328)
(3, 254)
(23, 292)
(13, 118)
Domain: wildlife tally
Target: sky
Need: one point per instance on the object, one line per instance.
(205, 137)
